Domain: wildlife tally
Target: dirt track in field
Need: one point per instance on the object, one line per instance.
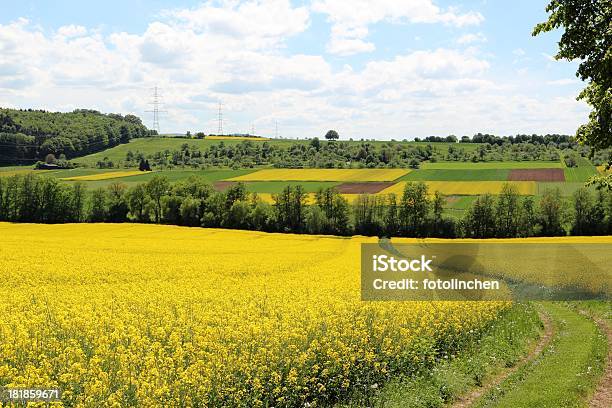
(371, 187)
(469, 399)
(536, 175)
(603, 393)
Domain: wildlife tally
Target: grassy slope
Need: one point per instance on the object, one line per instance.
(157, 144)
(149, 145)
(565, 373)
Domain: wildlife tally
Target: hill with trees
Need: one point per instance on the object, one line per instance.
(27, 136)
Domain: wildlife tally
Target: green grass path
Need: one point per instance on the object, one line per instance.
(566, 372)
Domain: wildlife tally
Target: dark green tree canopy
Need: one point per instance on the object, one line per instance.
(587, 37)
(332, 135)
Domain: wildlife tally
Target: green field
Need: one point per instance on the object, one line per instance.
(151, 145)
(580, 174)
(459, 175)
(492, 165)
(146, 146)
(566, 189)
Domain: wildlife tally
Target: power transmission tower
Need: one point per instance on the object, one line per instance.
(253, 129)
(220, 118)
(157, 103)
(276, 127)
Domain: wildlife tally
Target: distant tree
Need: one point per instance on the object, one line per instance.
(479, 221)
(315, 143)
(529, 225)
(332, 135)
(552, 213)
(262, 216)
(190, 211)
(508, 212)
(188, 134)
(437, 205)
(50, 158)
(391, 216)
(124, 134)
(316, 221)
(157, 188)
(78, 202)
(414, 209)
(137, 200)
(582, 201)
(238, 215)
(200, 135)
(117, 204)
(236, 192)
(98, 210)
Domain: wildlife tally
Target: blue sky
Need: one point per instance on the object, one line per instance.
(370, 69)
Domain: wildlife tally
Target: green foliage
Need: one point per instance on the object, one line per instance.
(332, 135)
(587, 37)
(30, 135)
(194, 202)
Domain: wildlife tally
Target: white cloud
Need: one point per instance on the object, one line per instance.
(235, 52)
(565, 81)
(72, 31)
(471, 38)
(256, 23)
(519, 52)
(351, 18)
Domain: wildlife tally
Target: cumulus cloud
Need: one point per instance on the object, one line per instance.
(72, 31)
(471, 38)
(237, 52)
(351, 18)
(256, 23)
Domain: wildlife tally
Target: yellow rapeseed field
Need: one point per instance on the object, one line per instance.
(8, 173)
(310, 197)
(104, 176)
(467, 187)
(353, 175)
(123, 314)
(602, 170)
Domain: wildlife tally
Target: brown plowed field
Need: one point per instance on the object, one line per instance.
(222, 185)
(536, 175)
(371, 187)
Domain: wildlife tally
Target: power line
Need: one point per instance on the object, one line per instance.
(220, 119)
(157, 103)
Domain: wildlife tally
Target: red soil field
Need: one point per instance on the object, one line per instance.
(363, 188)
(536, 175)
(222, 185)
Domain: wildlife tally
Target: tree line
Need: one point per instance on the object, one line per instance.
(322, 154)
(30, 135)
(415, 213)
